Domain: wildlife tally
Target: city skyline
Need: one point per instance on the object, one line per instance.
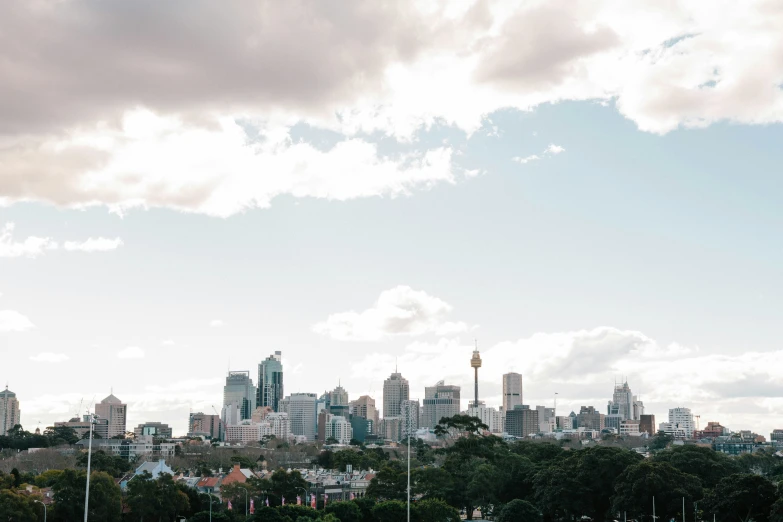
(592, 192)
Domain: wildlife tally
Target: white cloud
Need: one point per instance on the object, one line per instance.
(167, 342)
(217, 323)
(554, 149)
(115, 134)
(49, 357)
(98, 244)
(526, 159)
(32, 246)
(12, 321)
(398, 311)
(131, 352)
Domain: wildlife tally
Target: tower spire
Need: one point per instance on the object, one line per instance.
(475, 363)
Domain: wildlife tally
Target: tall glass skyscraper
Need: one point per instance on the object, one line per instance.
(239, 390)
(270, 381)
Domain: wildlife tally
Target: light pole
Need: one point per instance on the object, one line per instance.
(210, 506)
(245, 490)
(305, 494)
(92, 417)
(44, 505)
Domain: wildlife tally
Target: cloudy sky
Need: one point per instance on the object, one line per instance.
(591, 189)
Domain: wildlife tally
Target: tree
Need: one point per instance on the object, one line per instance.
(101, 461)
(460, 422)
(390, 511)
(365, 506)
(281, 484)
(640, 483)
(390, 483)
(435, 510)
(155, 499)
(295, 512)
(710, 466)
(105, 497)
(16, 507)
(518, 510)
(47, 478)
(433, 483)
(346, 511)
(741, 498)
(659, 441)
(585, 479)
(59, 435)
(268, 514)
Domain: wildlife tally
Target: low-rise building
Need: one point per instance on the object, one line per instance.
(157, 430)
(143, 446)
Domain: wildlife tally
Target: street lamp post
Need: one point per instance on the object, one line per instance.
(245, 490)
(92, 417)
(210, 506)
(44, 505)
(305, 493)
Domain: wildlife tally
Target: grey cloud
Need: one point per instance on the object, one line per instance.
(65, 62)
(540, 47)
(755, 385)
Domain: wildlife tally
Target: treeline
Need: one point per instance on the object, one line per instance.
(538, 481)
(19, 439)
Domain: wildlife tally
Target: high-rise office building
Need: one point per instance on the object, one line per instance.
(239, 390)
(522, 421)
(364, 406)
(115, 413)
(207, 426)
(440, 401)
(624, 403)
(682, 419)
(395, 390)
(270, 381)
(338, 397)
(300, 408)
(410, 417)
(488, 415)
(647, 424)
(512, 391)
(590, 419)
(10, 415)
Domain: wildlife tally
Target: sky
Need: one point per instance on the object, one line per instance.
(589, 190)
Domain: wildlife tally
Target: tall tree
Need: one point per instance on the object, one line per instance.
(639, 484)
(710, 466)
(105, 497)
(741, 498)
(16, 507)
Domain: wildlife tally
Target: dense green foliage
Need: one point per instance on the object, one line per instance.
(532, 481)
(19, 439)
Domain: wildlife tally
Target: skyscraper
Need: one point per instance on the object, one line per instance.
(115, 413)
(475, 363)
(512, 391)
(364, 406)
(10, 415)
(300, 408)
(624, 403)
(338, 397)
(239, 390)
(521, 422)
(682, 419)
(395, 390)
(270, 381)
(440, 401)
